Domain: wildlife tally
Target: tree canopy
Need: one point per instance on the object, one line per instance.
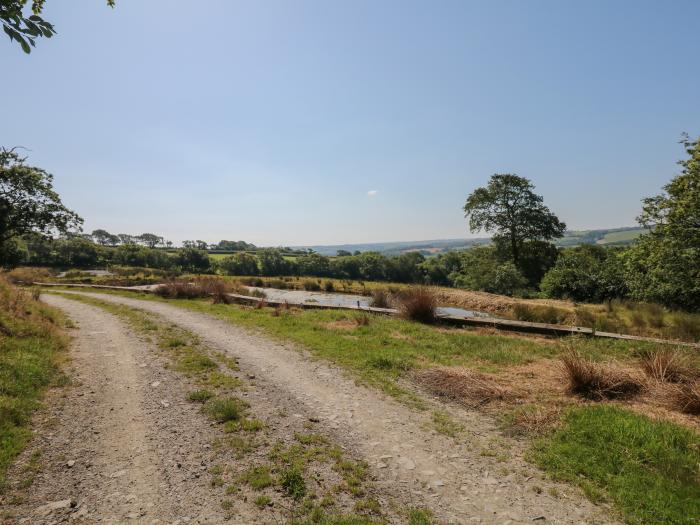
(28, 202)
(510, 209)
(23, 27)
(664, 265)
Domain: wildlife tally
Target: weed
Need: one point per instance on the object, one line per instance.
(418, 516)
(258, 478)
(292, 481)
(200, 396)
(263, 501)
(444, 424)
(225, 409)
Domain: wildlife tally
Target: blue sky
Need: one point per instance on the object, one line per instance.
(271, 121)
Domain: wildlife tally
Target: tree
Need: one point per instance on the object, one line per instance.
(664, 265)
(272, 262)
(28, 202)
(125, 239)
(239, 264)
(586, 273)
(105, 238)
(193, 260)
(25, 28)
(508, 207)
(151, 240)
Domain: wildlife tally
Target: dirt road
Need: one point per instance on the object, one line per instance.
(474, 479)
(122, 445)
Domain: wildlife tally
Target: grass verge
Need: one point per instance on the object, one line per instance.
(31, 348)
(649, 470)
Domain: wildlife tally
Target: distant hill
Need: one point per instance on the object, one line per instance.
(609, 237)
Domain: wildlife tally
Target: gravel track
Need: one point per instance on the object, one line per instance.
(459, 479)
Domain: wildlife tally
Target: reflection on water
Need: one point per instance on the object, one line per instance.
(340, 299)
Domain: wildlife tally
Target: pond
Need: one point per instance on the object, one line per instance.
(341, 299)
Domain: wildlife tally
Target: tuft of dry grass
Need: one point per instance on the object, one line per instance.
(419, 304)
(28, 275)
(596, 381)
(686, 397)
(381, 298)
(461, 384)
(668, 366)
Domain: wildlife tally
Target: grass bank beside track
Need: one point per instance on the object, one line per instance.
(32, 345)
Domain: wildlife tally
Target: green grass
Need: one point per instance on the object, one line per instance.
(389, 347)
(31, 344)
(225, 409)
(649, 470)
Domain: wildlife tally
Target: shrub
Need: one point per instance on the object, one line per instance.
(462, 385)
(27, 275)
(203, 287)
(595, 381)
(419, 304)
(328, 286)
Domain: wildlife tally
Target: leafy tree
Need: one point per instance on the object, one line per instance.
(313, 264)
(193, 260)
(105, 238)
(481, 269)
(510, 209)
(151, 240)
(125, 238)
(272, 262)
(586, 273)
(343, 253)
(26, 28)
(239, 264)
(28, 202)
(664, 266)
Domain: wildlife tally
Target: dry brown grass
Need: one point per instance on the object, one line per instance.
(381, 298)
(419, 304)
(212, 287)
(597, 381)
(27, 275)
(686, 397)
(462, 385)
(668, 366)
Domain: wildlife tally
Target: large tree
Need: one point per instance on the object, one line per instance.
(509, 208)
(28, 202)
(22, 22)
(664, 265)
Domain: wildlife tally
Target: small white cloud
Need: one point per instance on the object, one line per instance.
(372, 193)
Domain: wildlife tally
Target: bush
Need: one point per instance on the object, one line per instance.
(203, 287)
(669, 366)
(418, 304)
(539, 314)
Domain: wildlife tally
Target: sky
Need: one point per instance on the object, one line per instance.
(298, 122)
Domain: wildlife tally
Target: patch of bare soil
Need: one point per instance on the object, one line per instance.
(479, 477)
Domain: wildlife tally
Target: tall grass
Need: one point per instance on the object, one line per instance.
(418, 304)
(31, 343)
(597, 381)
